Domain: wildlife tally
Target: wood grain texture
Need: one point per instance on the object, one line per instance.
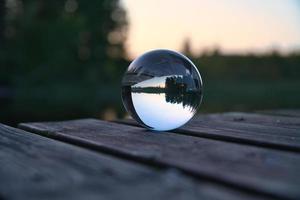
(221, 127)
(265, 135)
(254, 118)
(269, 172)
(282, 112)
(34, 167)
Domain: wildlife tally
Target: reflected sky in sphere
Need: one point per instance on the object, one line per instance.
(162, 90)
(162, 116)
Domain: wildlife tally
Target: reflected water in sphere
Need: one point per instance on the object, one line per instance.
(162, 90)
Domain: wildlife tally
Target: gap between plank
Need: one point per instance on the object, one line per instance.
(146, 161)
(182, 131)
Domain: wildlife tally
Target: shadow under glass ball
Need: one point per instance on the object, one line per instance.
(162, 90)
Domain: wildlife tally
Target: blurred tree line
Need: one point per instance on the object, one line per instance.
(269, 66)
(247, 82)
(61, 59)
(64, 59)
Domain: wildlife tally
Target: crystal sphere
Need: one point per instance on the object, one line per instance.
(162, 90)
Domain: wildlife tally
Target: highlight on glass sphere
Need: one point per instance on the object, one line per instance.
(162, 90)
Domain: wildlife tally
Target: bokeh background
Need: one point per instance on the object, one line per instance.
(65, 59)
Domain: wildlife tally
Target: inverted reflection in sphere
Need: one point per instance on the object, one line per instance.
(162, 90)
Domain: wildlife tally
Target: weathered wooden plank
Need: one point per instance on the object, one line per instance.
(282, 112)
(261, 133)
(266, 171)
(35, 167)
(253, 134)
(254, 118)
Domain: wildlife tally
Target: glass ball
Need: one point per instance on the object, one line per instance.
(162, 90)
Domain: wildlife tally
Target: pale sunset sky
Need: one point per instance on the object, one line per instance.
(233, 25)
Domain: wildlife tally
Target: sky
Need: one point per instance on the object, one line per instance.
(232, 25)
(153, 82)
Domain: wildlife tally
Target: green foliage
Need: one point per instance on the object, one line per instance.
(51, 42)
(249, 82)
(64, 59)
(274, 67)
(59, 55)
